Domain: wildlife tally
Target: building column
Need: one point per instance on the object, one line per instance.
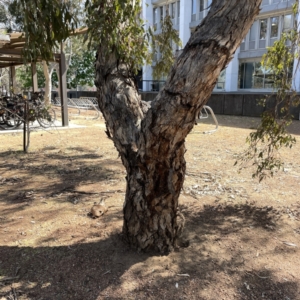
(12, 83)
(63, 89)
(296, 69)
(148, 17)
(232, 73)
(185, 19)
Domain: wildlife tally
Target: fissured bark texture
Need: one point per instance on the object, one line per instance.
(150, 137)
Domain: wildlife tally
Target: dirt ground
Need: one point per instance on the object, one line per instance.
(244, 236)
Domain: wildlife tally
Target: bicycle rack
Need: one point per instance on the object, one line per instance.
(204, 115)
(81, 103)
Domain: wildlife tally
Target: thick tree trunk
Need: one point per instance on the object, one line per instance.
(150, 136)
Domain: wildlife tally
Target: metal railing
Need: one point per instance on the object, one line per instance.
(152, 85)
(156, 85)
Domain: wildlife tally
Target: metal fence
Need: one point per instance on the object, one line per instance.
(82, 103)
(157, 85)
(152, 85)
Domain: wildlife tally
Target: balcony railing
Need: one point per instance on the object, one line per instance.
(268, 2)
(157, 85)
(152, 85)
(199, 16)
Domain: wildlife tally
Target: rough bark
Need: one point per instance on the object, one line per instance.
(150, 137)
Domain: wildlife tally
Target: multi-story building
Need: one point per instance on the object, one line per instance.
(245, 72)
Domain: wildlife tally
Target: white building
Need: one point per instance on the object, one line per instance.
(244, 73)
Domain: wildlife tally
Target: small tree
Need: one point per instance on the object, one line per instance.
(271, 135)
(162, 44)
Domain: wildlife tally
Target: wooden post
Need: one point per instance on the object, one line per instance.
(63, 89)
(34, 78)
(26, 129)
(12, 79)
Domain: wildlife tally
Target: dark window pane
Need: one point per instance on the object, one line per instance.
(201, 5)
(263, 29)
(274, 27)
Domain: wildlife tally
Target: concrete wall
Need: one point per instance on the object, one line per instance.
(237, 104)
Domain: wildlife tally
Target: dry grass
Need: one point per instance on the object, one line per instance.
(244, 236)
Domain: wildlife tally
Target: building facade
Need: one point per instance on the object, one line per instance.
(245, 72)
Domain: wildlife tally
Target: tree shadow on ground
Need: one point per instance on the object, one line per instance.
(108, 269)
(53, 174)
(262, 284)
(80, 271)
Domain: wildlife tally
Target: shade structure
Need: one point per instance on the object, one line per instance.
(11, 55)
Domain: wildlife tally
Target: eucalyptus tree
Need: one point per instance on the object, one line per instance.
(150, 137)
(11, 18)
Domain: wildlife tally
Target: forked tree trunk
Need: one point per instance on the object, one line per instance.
(150, 137)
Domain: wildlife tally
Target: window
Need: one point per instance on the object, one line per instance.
(193, 7)
(173, 10)
(220, 85)
(201, 5)
(252, 35)
(253, 32)
(287, 23)
(252, 75)
(161, 10)
(263, 29)
(274, 27)
(155, 15)
(167, 9)
(262, 33)
(194, 10)
(178, 9)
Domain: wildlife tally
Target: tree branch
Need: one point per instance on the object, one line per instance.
(196, 70)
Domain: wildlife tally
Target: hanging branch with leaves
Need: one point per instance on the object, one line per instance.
(162, 44)
(271, 135)
(46, 25)
(118, 27)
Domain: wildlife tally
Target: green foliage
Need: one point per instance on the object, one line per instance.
(117, 26)
(271, 135)
(3, 16)
(11, 16)
(81, 70)
(24, 77)
(16, 15)
(162, 43)
(46, 25)
(264, 144)
(279, 60)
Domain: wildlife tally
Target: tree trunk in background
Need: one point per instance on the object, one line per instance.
(150, 137)
(48, 70)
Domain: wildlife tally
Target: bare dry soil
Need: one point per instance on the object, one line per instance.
(244, 236)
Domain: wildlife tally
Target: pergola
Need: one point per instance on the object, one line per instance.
(11, 47)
